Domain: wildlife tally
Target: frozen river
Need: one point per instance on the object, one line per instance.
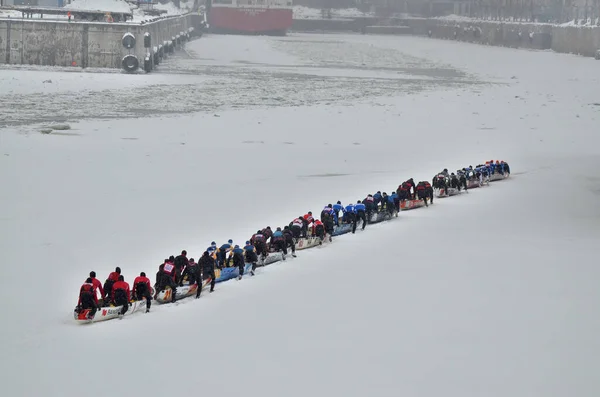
(250, 73)
(493, 293)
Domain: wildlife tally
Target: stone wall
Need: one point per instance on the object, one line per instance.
(324, 25)
(83, 44)
(576, 40)
(516, 35)
(572, 39)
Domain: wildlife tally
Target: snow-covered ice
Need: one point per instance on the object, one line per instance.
(303, 12)
(100, 5)
(492, 293)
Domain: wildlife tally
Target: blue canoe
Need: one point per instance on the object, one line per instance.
(227, 273)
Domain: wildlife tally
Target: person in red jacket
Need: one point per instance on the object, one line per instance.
(88, 298)
(97, 284)
(142, 289)
(121, 294)
(307, 219)
(319, 229)
(108, 284)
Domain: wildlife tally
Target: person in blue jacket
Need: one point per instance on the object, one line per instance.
(278, 242)
(361, 212)
(212, 250)
(237, 256)
(336, 212)
(250, 256)
(390, 205)
(396, 200)
(377, 200)
(350, 215)
(222, 252)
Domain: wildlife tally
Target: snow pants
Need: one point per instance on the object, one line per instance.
(280, 245)
(422, 195)
(296, 231)
(121, 300)
(141, 291)
(261, 248)
(87, 302)
(167, 281)
(250, 257)
(289, 243)
(208, 273)
(108, 284)
(360, 215)
(350, 218)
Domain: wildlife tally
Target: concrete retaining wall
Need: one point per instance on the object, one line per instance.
(514, 35)
(84, 44)
(577, 40)
(388, 30)
(324, 25)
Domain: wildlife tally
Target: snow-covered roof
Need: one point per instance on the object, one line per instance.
(99, 5)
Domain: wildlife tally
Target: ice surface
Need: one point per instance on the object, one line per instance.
(492, 293)
(302, 12)
(100, 5)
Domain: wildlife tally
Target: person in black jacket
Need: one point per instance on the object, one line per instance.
(193, 273)
(237, 256)
(180, 263)
(288, 234)
(207, 263)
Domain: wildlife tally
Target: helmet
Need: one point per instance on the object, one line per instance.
(236, 246)
(357, 201)
(92, 274)
(213, 243)
(191, 260)
(339, 202)
(329, 205)
(445, 169)
(230, 241)
(142, 274)
(309, 213)
(278, 229)
(118, 269)
(247, 242)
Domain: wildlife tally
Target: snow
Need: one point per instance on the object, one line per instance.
(172, 10)
(589, 23)
(302, 12)
(100, 5)
(490, 293)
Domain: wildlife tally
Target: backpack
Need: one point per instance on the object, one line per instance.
(120, 295)
(140, 290)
